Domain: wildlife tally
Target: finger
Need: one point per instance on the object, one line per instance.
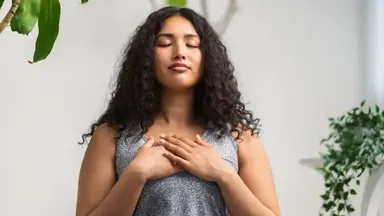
(178, 142)
(201, 141)
(178, 169)
(176, 159)
(149, 142)
(185, 140)
(175, 149)
(175, 165)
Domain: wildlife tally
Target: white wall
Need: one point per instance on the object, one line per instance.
(298, 63)
(374, 50)
(373, 64)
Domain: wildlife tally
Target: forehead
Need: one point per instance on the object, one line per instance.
(177, 25)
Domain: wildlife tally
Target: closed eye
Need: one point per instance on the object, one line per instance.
(192, 46)
(164, 45)
(167, 45)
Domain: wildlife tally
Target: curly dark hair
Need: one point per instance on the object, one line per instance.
(137, 94)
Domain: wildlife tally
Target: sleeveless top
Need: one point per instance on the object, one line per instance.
(182, 193)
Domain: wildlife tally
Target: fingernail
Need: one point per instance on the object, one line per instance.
(162, 135)
(162, 141)
(151, 138)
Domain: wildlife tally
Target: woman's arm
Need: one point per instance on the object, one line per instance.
(252, 192)
(99, 193)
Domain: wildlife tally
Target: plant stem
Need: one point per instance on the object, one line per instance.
(222, 25)
(8, 17)
(153, 5)
(204, 9)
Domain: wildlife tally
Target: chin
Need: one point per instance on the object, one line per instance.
(179, 85)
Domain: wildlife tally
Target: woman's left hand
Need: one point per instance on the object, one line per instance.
(197, 157)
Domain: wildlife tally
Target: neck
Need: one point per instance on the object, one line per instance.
(177, 107)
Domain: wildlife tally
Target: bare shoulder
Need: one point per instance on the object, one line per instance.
(249, 145)
(102, 142)
(101, 147)
(255, 169)
(97, 173)
(104, 133)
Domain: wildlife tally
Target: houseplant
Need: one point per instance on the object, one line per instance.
(24, 15)
(355, 145)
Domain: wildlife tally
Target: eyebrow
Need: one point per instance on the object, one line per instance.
(170, 35)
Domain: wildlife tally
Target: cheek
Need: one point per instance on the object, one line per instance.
(158, 59)
(197, 60)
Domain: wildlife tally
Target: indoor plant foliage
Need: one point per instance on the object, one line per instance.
(355, 145)
(24, 15)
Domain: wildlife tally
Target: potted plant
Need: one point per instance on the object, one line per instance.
(354, 145)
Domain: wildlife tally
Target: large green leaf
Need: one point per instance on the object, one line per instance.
(1, 3)
(26, 16)
(84, 1)
(177, 3)
(49, 20)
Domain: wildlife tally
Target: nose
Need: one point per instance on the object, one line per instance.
(179, 56)
(179, 53)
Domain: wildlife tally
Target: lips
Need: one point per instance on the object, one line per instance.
(179, 67)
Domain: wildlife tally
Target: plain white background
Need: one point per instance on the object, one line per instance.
(298, 62)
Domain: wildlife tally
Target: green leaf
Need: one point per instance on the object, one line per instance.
(49, 21)
(329, 205)
(177, 3)
(325, 196)
(362, 103)
(353, 192)
(1, 3)
(84, 1)
(345, 195)
(26, 16)
(350, 208)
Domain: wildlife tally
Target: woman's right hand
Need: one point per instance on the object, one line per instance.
(151, 163)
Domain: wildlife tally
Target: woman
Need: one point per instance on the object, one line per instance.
(175, 138)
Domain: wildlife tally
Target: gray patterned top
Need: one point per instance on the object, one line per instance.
(182, 194)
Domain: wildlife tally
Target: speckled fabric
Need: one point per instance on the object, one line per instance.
(182, 194)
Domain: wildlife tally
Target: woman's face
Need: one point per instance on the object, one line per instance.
(177, 54)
